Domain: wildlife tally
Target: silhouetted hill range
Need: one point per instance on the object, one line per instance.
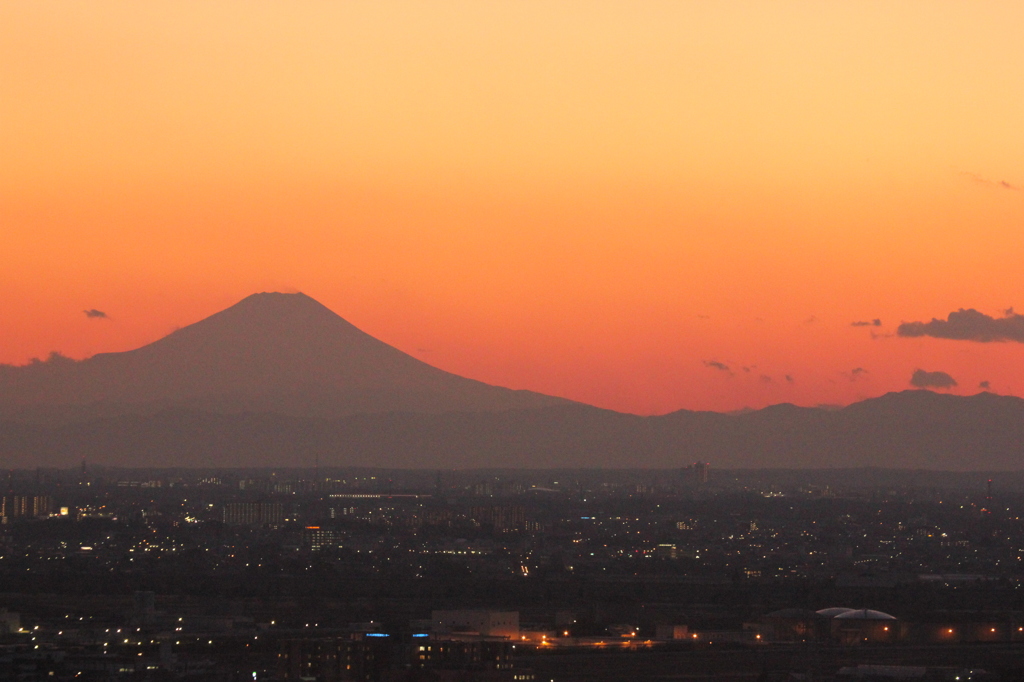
(279, 380)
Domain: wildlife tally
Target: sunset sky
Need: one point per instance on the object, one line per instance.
(645, 206)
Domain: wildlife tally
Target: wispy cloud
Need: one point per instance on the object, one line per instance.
(94, 314)
(867, 323)
(715, 364)
(1002, 184)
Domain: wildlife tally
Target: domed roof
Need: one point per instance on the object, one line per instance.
(864, 614)
(834, 611)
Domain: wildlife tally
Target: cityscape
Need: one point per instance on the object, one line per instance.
(369, 574)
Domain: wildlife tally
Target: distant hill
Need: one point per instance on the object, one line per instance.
(280, 380)
(909, 430)
(278, 353)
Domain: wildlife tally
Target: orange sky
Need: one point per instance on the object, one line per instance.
(589, 199)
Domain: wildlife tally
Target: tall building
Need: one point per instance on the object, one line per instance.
(503, 518)
(696, 473)
(29, 506)
(254, 513)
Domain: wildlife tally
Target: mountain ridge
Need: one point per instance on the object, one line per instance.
(874, 434)
(278, 379)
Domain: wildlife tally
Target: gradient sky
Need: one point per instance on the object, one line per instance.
(598, 200)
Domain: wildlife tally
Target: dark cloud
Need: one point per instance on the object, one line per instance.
(765, 379)
(923, 379)
(856, 373)
(983, 384)
(867, 323)
(789, 378)
(969, 325)
(94, 314)
(715, 364)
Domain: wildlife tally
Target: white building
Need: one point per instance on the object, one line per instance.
(477, 622)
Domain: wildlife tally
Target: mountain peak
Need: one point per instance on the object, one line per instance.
(277, 298)
(270, 352)
(277, 304)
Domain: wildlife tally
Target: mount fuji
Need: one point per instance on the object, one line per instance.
(280, 380)
(271, 352)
